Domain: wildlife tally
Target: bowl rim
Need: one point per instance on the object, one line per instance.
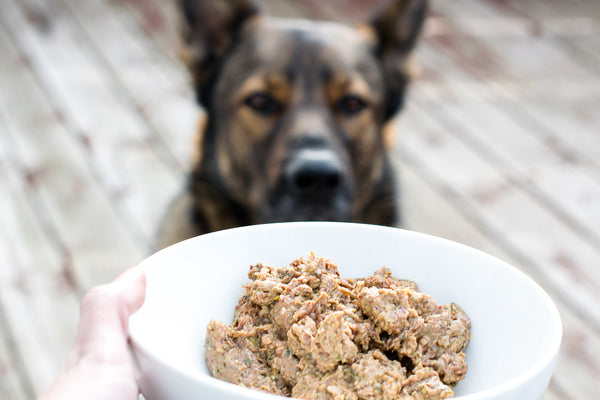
(548, 359)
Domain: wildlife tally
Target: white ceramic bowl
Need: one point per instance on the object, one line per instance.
(516, 329)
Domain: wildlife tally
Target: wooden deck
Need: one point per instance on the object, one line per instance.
(499, 148)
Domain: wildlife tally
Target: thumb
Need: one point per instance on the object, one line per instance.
(103, 332)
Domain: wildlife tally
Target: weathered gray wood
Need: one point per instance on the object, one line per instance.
(160, 92)
(578, 368)
(584, 14)
(92, 235)
(11, 386)
(278, 8)
(38, 296)
(37, 302)
(556, 86)
(428, 211)
(14, 380)
(158, 85)
(99, 113)
(158, 20)
(566, 186)
(13, 383)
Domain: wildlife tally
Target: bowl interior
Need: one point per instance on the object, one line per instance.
(515, 326)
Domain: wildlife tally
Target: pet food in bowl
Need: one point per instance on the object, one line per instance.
(303, 331)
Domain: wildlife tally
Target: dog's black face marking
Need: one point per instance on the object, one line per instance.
(296, 111)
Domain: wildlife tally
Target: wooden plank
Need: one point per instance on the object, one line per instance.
(577, 374)
(14, 382)
(38, 302)
(539, 44)
(278, 8)
(463, 9)
(158, 85)
(571, 34)
(41, 324)
(537, 62)
(424, 206)
(11, 386)
(549, 17)
(569, 99)
(120, 146)
(551, 395)
(94, 243)
(589, 45)
(475, 19)
(553, 85)
(534, 157)
(161, 92)
(445, 79)
(345, 11)
(571, 131)
(553, 12)
(157, 20)
(566, 186)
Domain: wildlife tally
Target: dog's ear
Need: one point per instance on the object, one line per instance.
(393, 33)
(208, 29)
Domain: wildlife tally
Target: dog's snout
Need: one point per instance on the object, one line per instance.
(314, 175)
(315, 172)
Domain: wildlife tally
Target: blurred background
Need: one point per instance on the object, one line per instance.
(498, 148)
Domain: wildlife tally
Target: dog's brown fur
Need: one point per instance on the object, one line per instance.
(296, 114)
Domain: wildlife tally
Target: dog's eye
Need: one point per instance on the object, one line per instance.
(350, 105)
(262, 103)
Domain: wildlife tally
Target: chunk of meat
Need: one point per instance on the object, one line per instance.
(333, 343)
(230, 362)
(377, 377)
(389, 309)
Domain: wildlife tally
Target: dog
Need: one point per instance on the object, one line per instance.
(295, 116)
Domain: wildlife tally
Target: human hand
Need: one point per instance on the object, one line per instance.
(100, 367)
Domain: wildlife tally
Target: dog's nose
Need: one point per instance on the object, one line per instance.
(315, 172)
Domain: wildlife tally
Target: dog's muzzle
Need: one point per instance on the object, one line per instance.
(315, 185)
(314, 175)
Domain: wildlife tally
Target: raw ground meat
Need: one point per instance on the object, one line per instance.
(303, 331)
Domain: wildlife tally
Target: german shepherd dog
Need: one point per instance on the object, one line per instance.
(295, 116)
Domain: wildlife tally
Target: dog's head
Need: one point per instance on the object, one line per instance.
(296, 108)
